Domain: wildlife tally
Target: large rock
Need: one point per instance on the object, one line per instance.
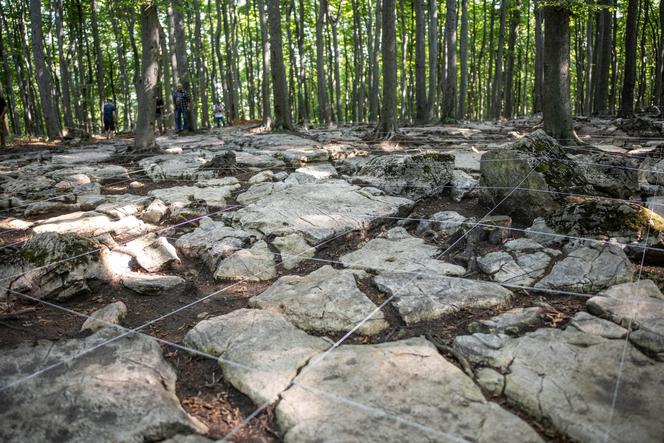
(589, 270)
(51, 265)
(211, 242)
(513, 322)
(261, 352)
(517, 267)
(393, 392)
(294, 249)
(151, 252)
(147, 284)
(327, 300)
(319, 211)
(123, 391)
(174, 167)
(91, 223)
(212, 194)
(399, 252)
(420, 297)
(253, 264)
(568, 378)
(408, 175)
(111, 314)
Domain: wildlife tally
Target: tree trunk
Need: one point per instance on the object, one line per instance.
(539, 62)
(421, 105)
(147, 85)
(463, 55)
(334, 21)
(603, 50)
(44, 79)
(304, 104)
(232, 104)
(590, 54)
(659, 91)
(122, 61)
(388, 125)
(181, 57)
(323, 105)
(358, 83)
(433, 58)
(64, 65)
(497, 91)
(200, 63)
(449, 106)
(165, 68)
(509, 72)
(629, 79)
(375, 73)
(265, 82)
(556, 103)
(282, 117)
(99, 62)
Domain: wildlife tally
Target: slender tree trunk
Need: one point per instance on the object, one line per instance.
(590, 54)
(509, 73)
(463, 55)
(265, 82)
(449, 106)
(358, 83)
(659, 91)
(497, 90)
(539, 62)
(122, 61)
(99, 62)
(282, 117)
(421, 105)
(165, 84)
(304, 105)
(44, 79)
(323, 105)
(181, 57)
(232, 104)
(603, 51)
(388, 125)
(629, 79)
(433, 58)
(334, 21)
(145, 137)
(8, 85)
(64, 65)
(200, 63)
(556, 104)
(375, 72)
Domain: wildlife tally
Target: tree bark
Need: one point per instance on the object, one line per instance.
(629, 79)
(99, 62)
(200, 64)
(265, 82)
(433, 59)
(497, 90)
(323, 104)
(388, 125)
(539, 62)
(509, 71)
(449, 105)
(147, 85)
(421, 105)
(282, 117)
(463, 55)
(181, 57)
(65, 77)
(232, 104)
(374, 68)
(556, 103)
(659, 91)
(603, 50)
(44, 79)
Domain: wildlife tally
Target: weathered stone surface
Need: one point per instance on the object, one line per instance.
(111, 314)
(319, 171)
(327, 300)
(462, 185)
(399, 252)
(512, 322)
(146, 284)
(173, 167)
(589, 270)
(420, 297)
(253, 264)
(442, 223)
(597, 326)
(567, 378)
(413, 176)
(408, 392)
(123, 391)
(490, 380)
(261, 352)
(211, 242)
(90, 224)
(615, 176)
(87, 155)
(293, 249)
(120, 206)
(213, 196)
(319, 211)
(151, 252)
(155, 212)
(263, 176)
(50, 265)
(518, 269)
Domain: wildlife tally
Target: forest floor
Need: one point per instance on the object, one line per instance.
(354, 289)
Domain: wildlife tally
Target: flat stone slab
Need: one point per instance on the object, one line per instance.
(589, 270)
(567, 378)
(123, 391)
(512, 322)
(319, 211)
(111, 314)
(399, 252)
(90, 224)
(253, 264)
(517, 269)
(590, 324)
(294, 249)
(214, 195)
(88, 155)
(327, 300)
(420, 297)
(151, 252)
(261, 352)
(147, 284)
(393, 392)
(174, 167)
(212, 241)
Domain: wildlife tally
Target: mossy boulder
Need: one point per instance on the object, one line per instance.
(52, 265)
(415, 176)
(532, 176)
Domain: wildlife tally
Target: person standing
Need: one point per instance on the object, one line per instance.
(3, 122)
(110, 117)
(218, 115)
(182, 105)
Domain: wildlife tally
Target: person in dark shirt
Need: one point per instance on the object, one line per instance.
(110, 116)
(182, 105)
(3, 125)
